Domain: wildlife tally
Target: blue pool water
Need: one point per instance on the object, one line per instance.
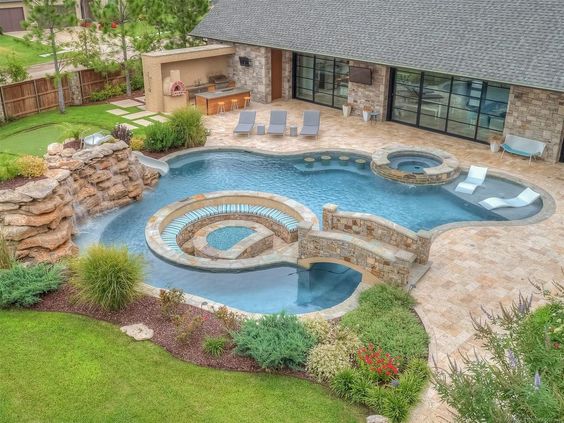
(275, 289)
(225, 238)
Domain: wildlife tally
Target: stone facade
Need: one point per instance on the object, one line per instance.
(539, 115)
(377, 228)
(256, 77)
(39, 218)
(74, 87)
(287, 66)
(374, 96)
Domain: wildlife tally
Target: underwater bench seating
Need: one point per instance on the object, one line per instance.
(175, 227)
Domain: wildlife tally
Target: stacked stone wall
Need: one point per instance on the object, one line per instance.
(40, 217)
(375, 95)
(539, 115)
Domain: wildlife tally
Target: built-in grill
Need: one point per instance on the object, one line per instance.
(220, 81)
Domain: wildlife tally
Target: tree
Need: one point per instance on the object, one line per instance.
(185, 16)
(45, 19)
(118, 18)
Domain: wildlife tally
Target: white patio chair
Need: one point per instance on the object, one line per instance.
(476, 177)
(527, 197)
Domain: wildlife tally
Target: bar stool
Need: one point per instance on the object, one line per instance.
(234, 104)
(247, 102)
(221, 107)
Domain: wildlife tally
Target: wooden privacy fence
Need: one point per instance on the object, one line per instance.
(30, 97)
(37, 95)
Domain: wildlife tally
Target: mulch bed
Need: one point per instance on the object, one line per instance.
(146, 310)
(72, 144)
(18, 181)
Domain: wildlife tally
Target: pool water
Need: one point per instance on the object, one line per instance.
(412, 166)
(278, 288)
(412, 163)
(225, 238)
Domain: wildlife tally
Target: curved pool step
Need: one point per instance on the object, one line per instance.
(172, 230)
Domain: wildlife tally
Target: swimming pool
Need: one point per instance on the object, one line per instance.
(225, 238)
(274, 289)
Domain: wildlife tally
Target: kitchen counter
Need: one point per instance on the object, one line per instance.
(208, 101)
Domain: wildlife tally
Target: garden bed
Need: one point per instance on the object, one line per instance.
(18, 181)
(147, 310)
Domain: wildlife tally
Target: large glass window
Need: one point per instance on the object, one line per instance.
(460, 106)
(321, 79)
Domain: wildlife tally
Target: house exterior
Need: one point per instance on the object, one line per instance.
(468, 68)
(13, 13)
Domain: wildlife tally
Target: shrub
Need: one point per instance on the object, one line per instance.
(170, 301)
(352, 385)
(8, 167)
(22, 285)
(513, 384)
(122, 133)
(187, 326)
(384, 318)
(13, 71)
(136, 68)
(395, 407)
(7, 256)
(159, 137)
(31, 166)
(188, 126)
(137, 143)
(109, 91)
(326, 360)
(231, 321)
(108, 276)
(275, 341)
(214, 346)
(319, 328)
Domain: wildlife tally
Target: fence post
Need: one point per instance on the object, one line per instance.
(3, 106)
(37, 102)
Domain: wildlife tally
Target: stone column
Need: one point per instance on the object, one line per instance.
(328, 211)
(424, 240)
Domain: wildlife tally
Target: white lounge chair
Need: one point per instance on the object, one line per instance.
(523, 147)
(528, 196)
(476, 177)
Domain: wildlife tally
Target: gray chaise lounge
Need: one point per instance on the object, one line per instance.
(246, 122)
(277, 124)
(312, 119)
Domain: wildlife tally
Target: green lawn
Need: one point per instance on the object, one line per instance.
(32, 134)
(66, 368)
(25, 53)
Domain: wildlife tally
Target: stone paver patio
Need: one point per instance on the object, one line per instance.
(471, 266)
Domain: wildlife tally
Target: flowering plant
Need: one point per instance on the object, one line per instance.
(381, 366)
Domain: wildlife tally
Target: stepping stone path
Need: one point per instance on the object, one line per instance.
(159, 118)
(142, 107)
(141, 99)
(143, 122)
(125, 103)
(118, 112)
(129, 126)
(139, 115)
(139, 331)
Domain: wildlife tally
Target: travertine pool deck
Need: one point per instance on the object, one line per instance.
(472, 266)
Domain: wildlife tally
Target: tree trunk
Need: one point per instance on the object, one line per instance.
(58, 79)
(125, 67)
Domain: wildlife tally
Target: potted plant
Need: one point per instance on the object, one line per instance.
(347, 109)
(366, 110)
(495, 142)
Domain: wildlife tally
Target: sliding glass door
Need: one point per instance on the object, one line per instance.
(463, 107)
(321, 79)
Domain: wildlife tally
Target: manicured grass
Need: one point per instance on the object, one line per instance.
(25, 53)
(66, 368)
(32, 134)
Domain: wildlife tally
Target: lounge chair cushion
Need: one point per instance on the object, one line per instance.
(523, 146)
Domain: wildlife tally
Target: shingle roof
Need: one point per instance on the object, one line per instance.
(514, 41)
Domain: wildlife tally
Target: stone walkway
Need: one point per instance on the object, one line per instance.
(471, 266)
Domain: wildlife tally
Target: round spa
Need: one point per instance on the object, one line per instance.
(415, 165)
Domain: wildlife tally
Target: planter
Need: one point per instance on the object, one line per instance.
(494, 147)
(346, 110)
(366, 115)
